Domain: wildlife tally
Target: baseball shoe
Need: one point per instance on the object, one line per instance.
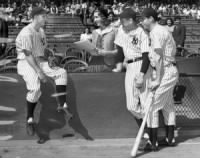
(30, 127)
(42, 140)
(165, 142)
(149, 147)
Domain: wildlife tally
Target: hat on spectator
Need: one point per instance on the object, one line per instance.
(128, 13)
(150, 12)
(38, 11)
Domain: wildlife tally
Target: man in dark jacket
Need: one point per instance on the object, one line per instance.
(3, 33)
(179, 34)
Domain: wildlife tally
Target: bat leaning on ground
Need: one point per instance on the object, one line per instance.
(141, 130)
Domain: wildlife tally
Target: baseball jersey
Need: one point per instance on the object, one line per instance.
(162, 39)
(133, 43)
(31, 40)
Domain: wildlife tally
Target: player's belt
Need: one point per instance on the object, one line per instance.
(134, 60)
(171, 64)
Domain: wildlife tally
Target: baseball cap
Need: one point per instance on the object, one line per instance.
(37, 11)
(150, 12)
(128, 13)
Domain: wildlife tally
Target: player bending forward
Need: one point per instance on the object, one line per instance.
(34, 68)
(163, 57)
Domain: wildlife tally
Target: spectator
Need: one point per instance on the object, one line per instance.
(9, 9)
(103, 38)
(87, 35)
(179, 34)
(53, 9)
(198, 14)
(170, 25)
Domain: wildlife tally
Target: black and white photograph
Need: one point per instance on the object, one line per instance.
(99, 78)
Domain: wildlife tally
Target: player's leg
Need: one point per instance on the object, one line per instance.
(132, 93)
(33, 86)
(170, 119)
(59, 75)
(133, 98)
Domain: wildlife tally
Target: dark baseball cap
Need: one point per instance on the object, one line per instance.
(150, 12)
(128, 13)
(37, 11)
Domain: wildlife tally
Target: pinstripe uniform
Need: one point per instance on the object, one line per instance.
(163, 99)
(134, 44)
(35, 42)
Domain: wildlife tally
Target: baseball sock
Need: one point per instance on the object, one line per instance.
(170, 133)
(62, 98)
(30, 109)
(154, 137)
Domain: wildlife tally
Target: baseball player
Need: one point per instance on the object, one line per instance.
(33, 66)
(134, 43)
(162, 58)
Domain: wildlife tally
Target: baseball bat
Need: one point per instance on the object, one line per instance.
(141, 130)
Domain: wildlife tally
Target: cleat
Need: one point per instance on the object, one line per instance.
(149, 147)
(172, 143)
(41, 140)
(165, 142)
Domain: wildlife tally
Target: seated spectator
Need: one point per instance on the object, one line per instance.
(87, 35)
(2, 8)
(53, 9)
(198, 14)
(68, 8)
(73, 9)
(9, 9)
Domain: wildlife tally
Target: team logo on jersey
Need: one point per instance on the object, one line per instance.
(135, 40)
(43, 41)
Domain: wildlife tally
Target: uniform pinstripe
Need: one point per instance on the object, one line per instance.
(35, 42)
(134, 44)
(163, 99)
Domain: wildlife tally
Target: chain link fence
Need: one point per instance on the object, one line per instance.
(188, 107)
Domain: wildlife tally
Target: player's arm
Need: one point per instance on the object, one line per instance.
(145, 59)
(31, 60)
(107, 52)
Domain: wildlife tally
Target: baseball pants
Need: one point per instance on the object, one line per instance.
(135, 98)
(59, 75)
(163, 99)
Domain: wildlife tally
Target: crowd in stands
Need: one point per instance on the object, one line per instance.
(85, 9)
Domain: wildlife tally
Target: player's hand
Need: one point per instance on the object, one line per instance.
(154, 85)
(139, 80)
(42, 76)
(94, 52)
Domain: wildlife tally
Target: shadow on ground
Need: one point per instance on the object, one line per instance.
(50, 119)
